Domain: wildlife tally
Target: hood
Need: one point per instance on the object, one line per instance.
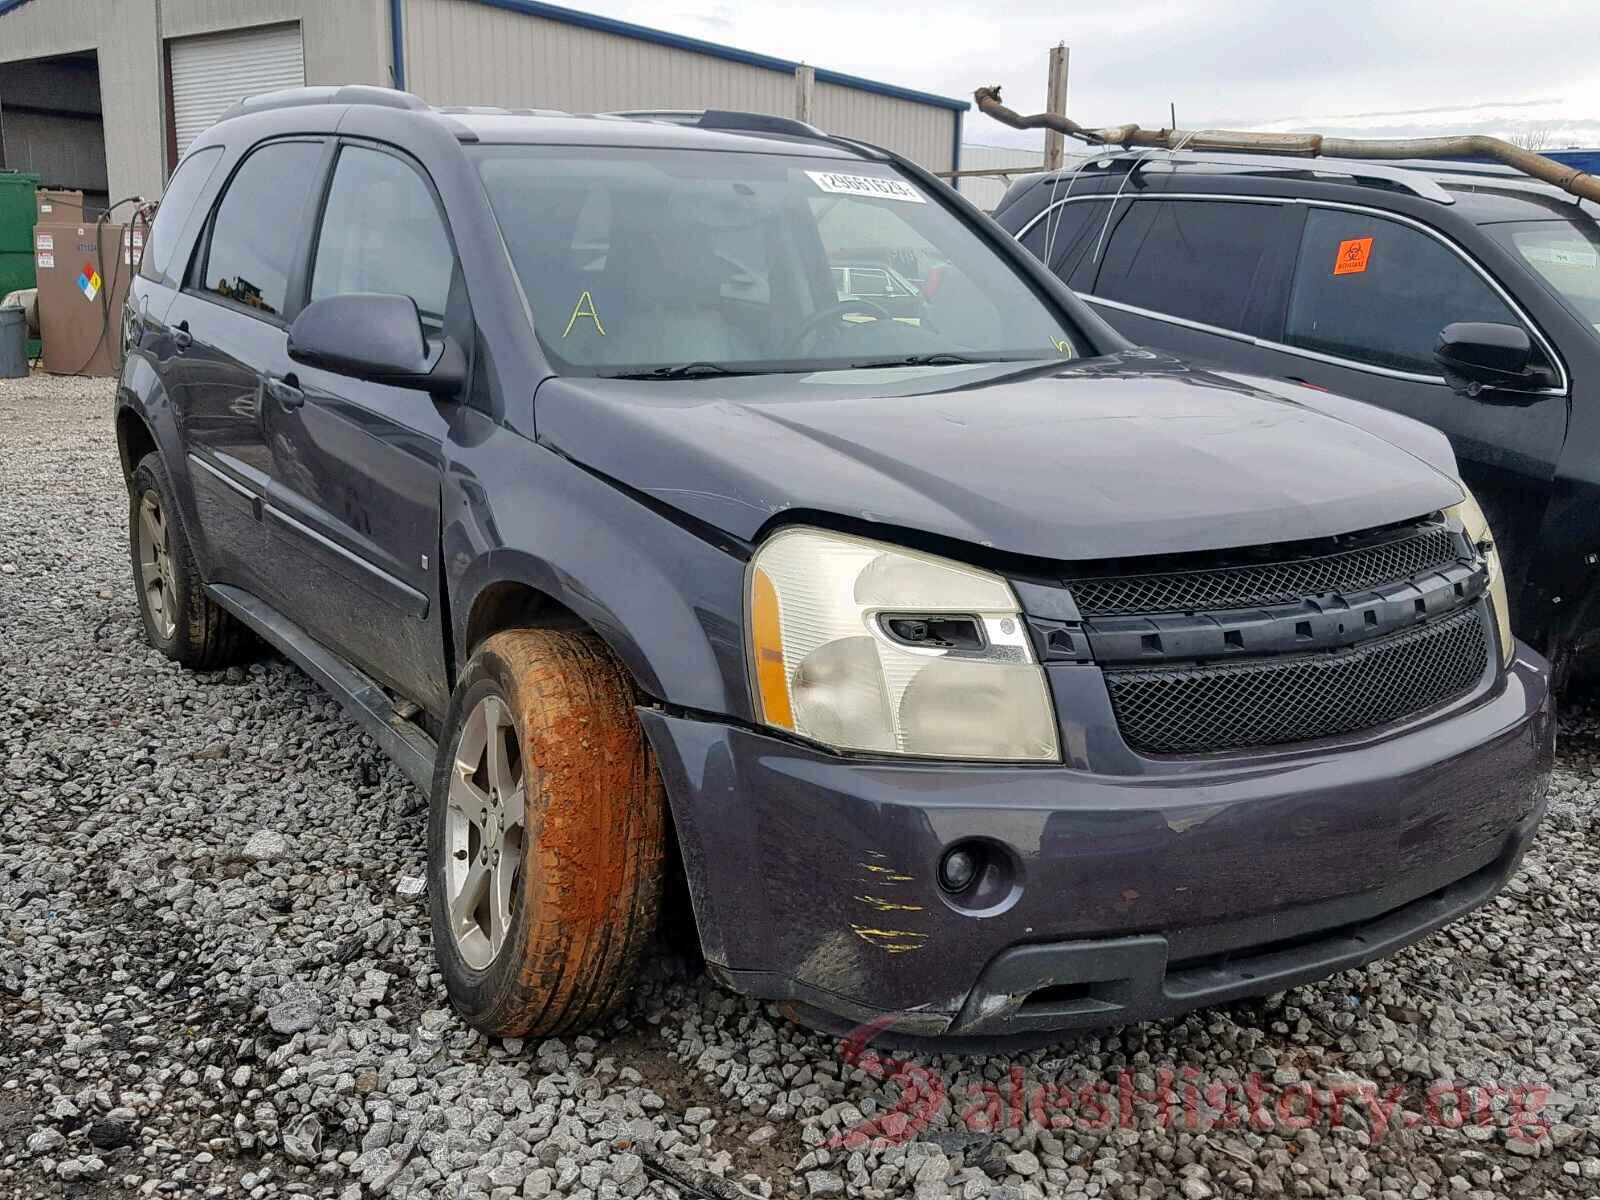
(1106, 458)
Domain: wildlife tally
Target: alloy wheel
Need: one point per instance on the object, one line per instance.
(155, 566)
(483, 834)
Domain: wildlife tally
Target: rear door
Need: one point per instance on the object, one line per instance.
(1367, 300)
(1194, 275)
(225, 328)
(356, 466)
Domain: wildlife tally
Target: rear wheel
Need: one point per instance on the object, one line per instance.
(546, 834)
(180, 620)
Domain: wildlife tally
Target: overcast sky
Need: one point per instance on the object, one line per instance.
(1384, 69)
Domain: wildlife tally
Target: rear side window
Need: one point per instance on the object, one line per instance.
(1197, 259)
(259, 226)
(1379, 292)
(382, 232)
(172, 217)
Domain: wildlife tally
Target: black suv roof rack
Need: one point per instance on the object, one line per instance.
(718, 118)
(1405, 178)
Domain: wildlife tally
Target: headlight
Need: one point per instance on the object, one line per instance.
(1480, 535)
(863, 646)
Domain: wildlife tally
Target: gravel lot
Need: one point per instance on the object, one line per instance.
(210, 984)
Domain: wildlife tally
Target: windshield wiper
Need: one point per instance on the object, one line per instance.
(939, 359)
(689, 370)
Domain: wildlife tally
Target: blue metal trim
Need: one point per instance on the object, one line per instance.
(568, 16)
(397, 43)
(7, 5)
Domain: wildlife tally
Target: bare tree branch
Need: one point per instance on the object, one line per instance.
(1303, 145)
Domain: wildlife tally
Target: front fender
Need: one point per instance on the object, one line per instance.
(667, 602)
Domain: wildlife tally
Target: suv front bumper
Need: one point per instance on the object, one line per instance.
(1128, 897)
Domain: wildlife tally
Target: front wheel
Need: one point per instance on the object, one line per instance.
(546, 831)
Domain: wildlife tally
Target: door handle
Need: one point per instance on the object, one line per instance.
(286, 392)
(181, 338)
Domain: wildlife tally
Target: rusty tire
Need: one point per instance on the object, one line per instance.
(583, 896)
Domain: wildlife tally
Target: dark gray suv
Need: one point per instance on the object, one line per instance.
(1465, 295)
(976, 671)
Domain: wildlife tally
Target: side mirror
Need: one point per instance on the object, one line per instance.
(378, 338)
(1479, 354)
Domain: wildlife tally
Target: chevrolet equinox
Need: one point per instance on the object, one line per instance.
(972, 668)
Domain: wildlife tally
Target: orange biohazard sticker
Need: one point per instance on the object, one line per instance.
(1352, 256)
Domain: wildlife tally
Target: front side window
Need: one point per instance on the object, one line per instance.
(172, 215)
(1197, 259)
(638, 259)
(259, 225)
(382, 232)
(1067, 237)
(1566, 255)
(1376, 291)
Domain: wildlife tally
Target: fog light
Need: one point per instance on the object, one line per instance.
(958, 869)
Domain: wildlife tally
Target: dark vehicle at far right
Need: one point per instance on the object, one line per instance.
(1464, 295)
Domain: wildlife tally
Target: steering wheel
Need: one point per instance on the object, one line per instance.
(823, 315)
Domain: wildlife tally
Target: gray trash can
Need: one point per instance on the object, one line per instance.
(13, 343)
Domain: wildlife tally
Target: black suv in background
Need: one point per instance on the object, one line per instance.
(1346, 275)
(991, 676)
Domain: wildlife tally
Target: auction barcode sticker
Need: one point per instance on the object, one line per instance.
(876, 186)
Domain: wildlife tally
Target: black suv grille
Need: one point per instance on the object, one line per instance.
(1256, 584)
(1269, 701)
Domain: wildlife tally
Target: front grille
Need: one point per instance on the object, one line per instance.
(1270, 701)
(1254, 584)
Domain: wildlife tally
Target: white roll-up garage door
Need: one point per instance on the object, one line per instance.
(211, 73)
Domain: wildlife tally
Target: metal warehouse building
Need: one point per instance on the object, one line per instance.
(104, 95)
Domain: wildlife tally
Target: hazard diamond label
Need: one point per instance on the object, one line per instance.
(89, 281)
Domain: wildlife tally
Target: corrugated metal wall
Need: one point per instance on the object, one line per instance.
(924, 134)
(457, 52)
(460, 52)
(130, 75)
(346, 41)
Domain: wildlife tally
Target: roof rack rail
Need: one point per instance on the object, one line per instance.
(1360, 171)
(350, 93)
(718, 118)
(495, 110)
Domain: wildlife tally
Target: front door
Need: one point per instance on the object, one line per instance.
(1368, 300)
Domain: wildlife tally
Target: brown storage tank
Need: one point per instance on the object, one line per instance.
(84, 271)
(58, 207)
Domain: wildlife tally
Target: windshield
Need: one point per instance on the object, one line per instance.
(1565, 254)
(680, 262)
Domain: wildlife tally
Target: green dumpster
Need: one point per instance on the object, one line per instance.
(17, 210)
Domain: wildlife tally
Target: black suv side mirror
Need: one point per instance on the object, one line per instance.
(378, 338)
(1479, 354)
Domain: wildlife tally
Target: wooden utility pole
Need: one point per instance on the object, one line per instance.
(1056, 102)
(805, 79)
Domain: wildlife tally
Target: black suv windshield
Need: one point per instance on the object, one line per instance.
(639, 261)
(1566, 254)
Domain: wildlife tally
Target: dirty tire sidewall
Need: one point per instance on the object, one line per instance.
(204, 636)
(594, 836)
